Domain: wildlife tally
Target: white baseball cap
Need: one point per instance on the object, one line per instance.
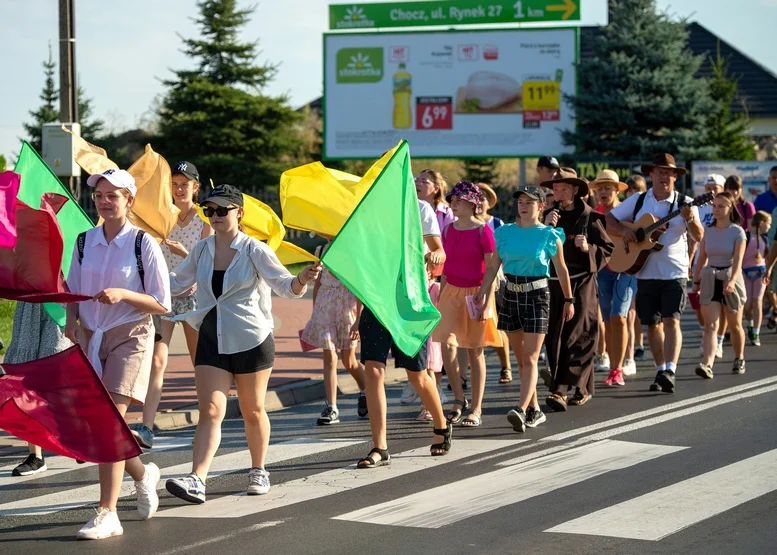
(121, 179)
(715, 179)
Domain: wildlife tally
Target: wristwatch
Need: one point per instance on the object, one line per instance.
(570, 300)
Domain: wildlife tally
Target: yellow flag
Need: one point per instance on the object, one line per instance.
(153, 210)
(259, 221)
(319, 199)
(289, 254)
(91, 158)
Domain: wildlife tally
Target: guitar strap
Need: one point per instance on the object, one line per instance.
(679, 199)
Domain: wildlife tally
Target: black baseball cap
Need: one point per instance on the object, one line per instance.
(548, 162)
(224, 195)
(531, 191)
(187, 169)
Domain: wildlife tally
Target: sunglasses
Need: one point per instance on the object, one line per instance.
(220, 211)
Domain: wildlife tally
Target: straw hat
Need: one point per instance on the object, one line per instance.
(489, 193)
(608, 177)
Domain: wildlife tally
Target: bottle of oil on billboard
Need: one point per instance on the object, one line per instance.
(403, 110)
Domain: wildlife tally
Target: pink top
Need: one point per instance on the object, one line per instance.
(746, 212)
(434, 292)
(444, 215)
(755, 246)
(465, 263)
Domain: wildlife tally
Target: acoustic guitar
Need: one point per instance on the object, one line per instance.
(631, 258)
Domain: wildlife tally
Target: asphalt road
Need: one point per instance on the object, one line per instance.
(632, 472)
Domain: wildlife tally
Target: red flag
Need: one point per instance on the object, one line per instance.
(31, 271)
(59, 403)
(9, 187)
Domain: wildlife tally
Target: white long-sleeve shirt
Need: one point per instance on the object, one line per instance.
(114, 265)
(244, 309)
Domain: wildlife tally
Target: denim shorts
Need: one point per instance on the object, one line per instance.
(616, 291)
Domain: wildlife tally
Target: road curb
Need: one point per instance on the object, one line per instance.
(277, 399)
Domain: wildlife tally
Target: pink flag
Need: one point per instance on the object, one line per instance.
(9, 188)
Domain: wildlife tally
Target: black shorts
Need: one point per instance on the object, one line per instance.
(660, 298)
(528, 312)
(254, 360)
(376, 342)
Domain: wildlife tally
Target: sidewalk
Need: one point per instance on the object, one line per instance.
(296, 377)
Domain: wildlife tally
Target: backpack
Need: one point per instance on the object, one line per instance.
(81, 243)
(680, 200)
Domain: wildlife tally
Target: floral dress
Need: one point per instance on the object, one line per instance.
(334, 313)
(35, 335)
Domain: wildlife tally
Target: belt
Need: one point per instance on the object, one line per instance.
(526, 287)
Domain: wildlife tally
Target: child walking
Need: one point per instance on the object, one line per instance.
(469, 246)
(334, 326)
(754, 271)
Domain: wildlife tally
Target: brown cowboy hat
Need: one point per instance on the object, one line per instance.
(663, 160)
(489, 193)
(569, 176)
(608, 177)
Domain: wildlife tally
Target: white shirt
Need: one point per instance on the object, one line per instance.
(244, 309)
(114, 265)
(672, 261)
(429, 223)
(705, 217)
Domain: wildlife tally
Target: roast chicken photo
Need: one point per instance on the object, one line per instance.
(489, 92)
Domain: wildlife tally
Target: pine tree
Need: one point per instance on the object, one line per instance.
(728, 131)
(638, 93)
(216, 114)
(480, 170)
(49, 110)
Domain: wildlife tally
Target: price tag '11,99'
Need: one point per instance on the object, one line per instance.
(434, 112)
(541, 101)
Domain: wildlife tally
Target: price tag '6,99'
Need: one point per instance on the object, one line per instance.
(434, 112)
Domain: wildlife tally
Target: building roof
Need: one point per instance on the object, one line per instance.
(757, 86)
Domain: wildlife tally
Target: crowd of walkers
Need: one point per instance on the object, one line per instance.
(546, 282)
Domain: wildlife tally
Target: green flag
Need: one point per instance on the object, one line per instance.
(38, 179)
(379, 256)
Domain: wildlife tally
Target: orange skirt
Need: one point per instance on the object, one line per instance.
(457, 329)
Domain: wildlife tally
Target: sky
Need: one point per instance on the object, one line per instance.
(124, 48)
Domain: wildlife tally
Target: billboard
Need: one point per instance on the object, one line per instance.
(754, 175)
(451, 94)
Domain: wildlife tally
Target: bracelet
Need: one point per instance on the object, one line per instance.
(300, 281)
(570, 300)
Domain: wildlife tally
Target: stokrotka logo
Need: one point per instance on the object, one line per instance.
(359, 65)
(354, 18)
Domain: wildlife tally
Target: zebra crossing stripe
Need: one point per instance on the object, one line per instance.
(333, 481)
(668, 510)
(223, 464)
(57, 464)
(440, 506)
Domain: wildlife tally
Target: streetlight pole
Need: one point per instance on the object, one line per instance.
(68, 86)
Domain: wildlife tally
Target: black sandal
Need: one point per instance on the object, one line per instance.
(455, 415)
(445, 446)
(369, 462)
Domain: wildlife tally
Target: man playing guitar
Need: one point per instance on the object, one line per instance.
(662, 281)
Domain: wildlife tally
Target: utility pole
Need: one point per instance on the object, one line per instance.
(68, 86)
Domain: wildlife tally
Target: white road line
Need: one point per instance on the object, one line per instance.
(631, 418)
(223, 464)
(440, 506)
(639, 425)
(333, 481)
(57, 464)
(668, 510)
(217, 539)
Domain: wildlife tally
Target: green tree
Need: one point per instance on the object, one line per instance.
(480, 170)
(216, 114)
(638, 93)
(2, 163)
(49, 110)
(727, 129)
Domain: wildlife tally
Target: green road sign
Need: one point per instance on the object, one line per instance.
(344, 17)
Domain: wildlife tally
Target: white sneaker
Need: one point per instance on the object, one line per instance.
(258, 481)
(629, 367)
(105, 524)
(719, 351)
(602, 363)
(409, 395)
(443, 396)
(148, 499)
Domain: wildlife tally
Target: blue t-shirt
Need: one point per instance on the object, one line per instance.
(766, 201)
(527, 251)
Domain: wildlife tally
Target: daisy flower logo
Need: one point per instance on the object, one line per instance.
(360, 61)
(352, 17)
(359, 65)
(355, 13)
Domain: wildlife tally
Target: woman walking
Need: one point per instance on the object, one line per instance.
(234, 274)
(124, 271)
(469, 246)
(527, 248)
(718, 279)
(754, 270)
(189, 230)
